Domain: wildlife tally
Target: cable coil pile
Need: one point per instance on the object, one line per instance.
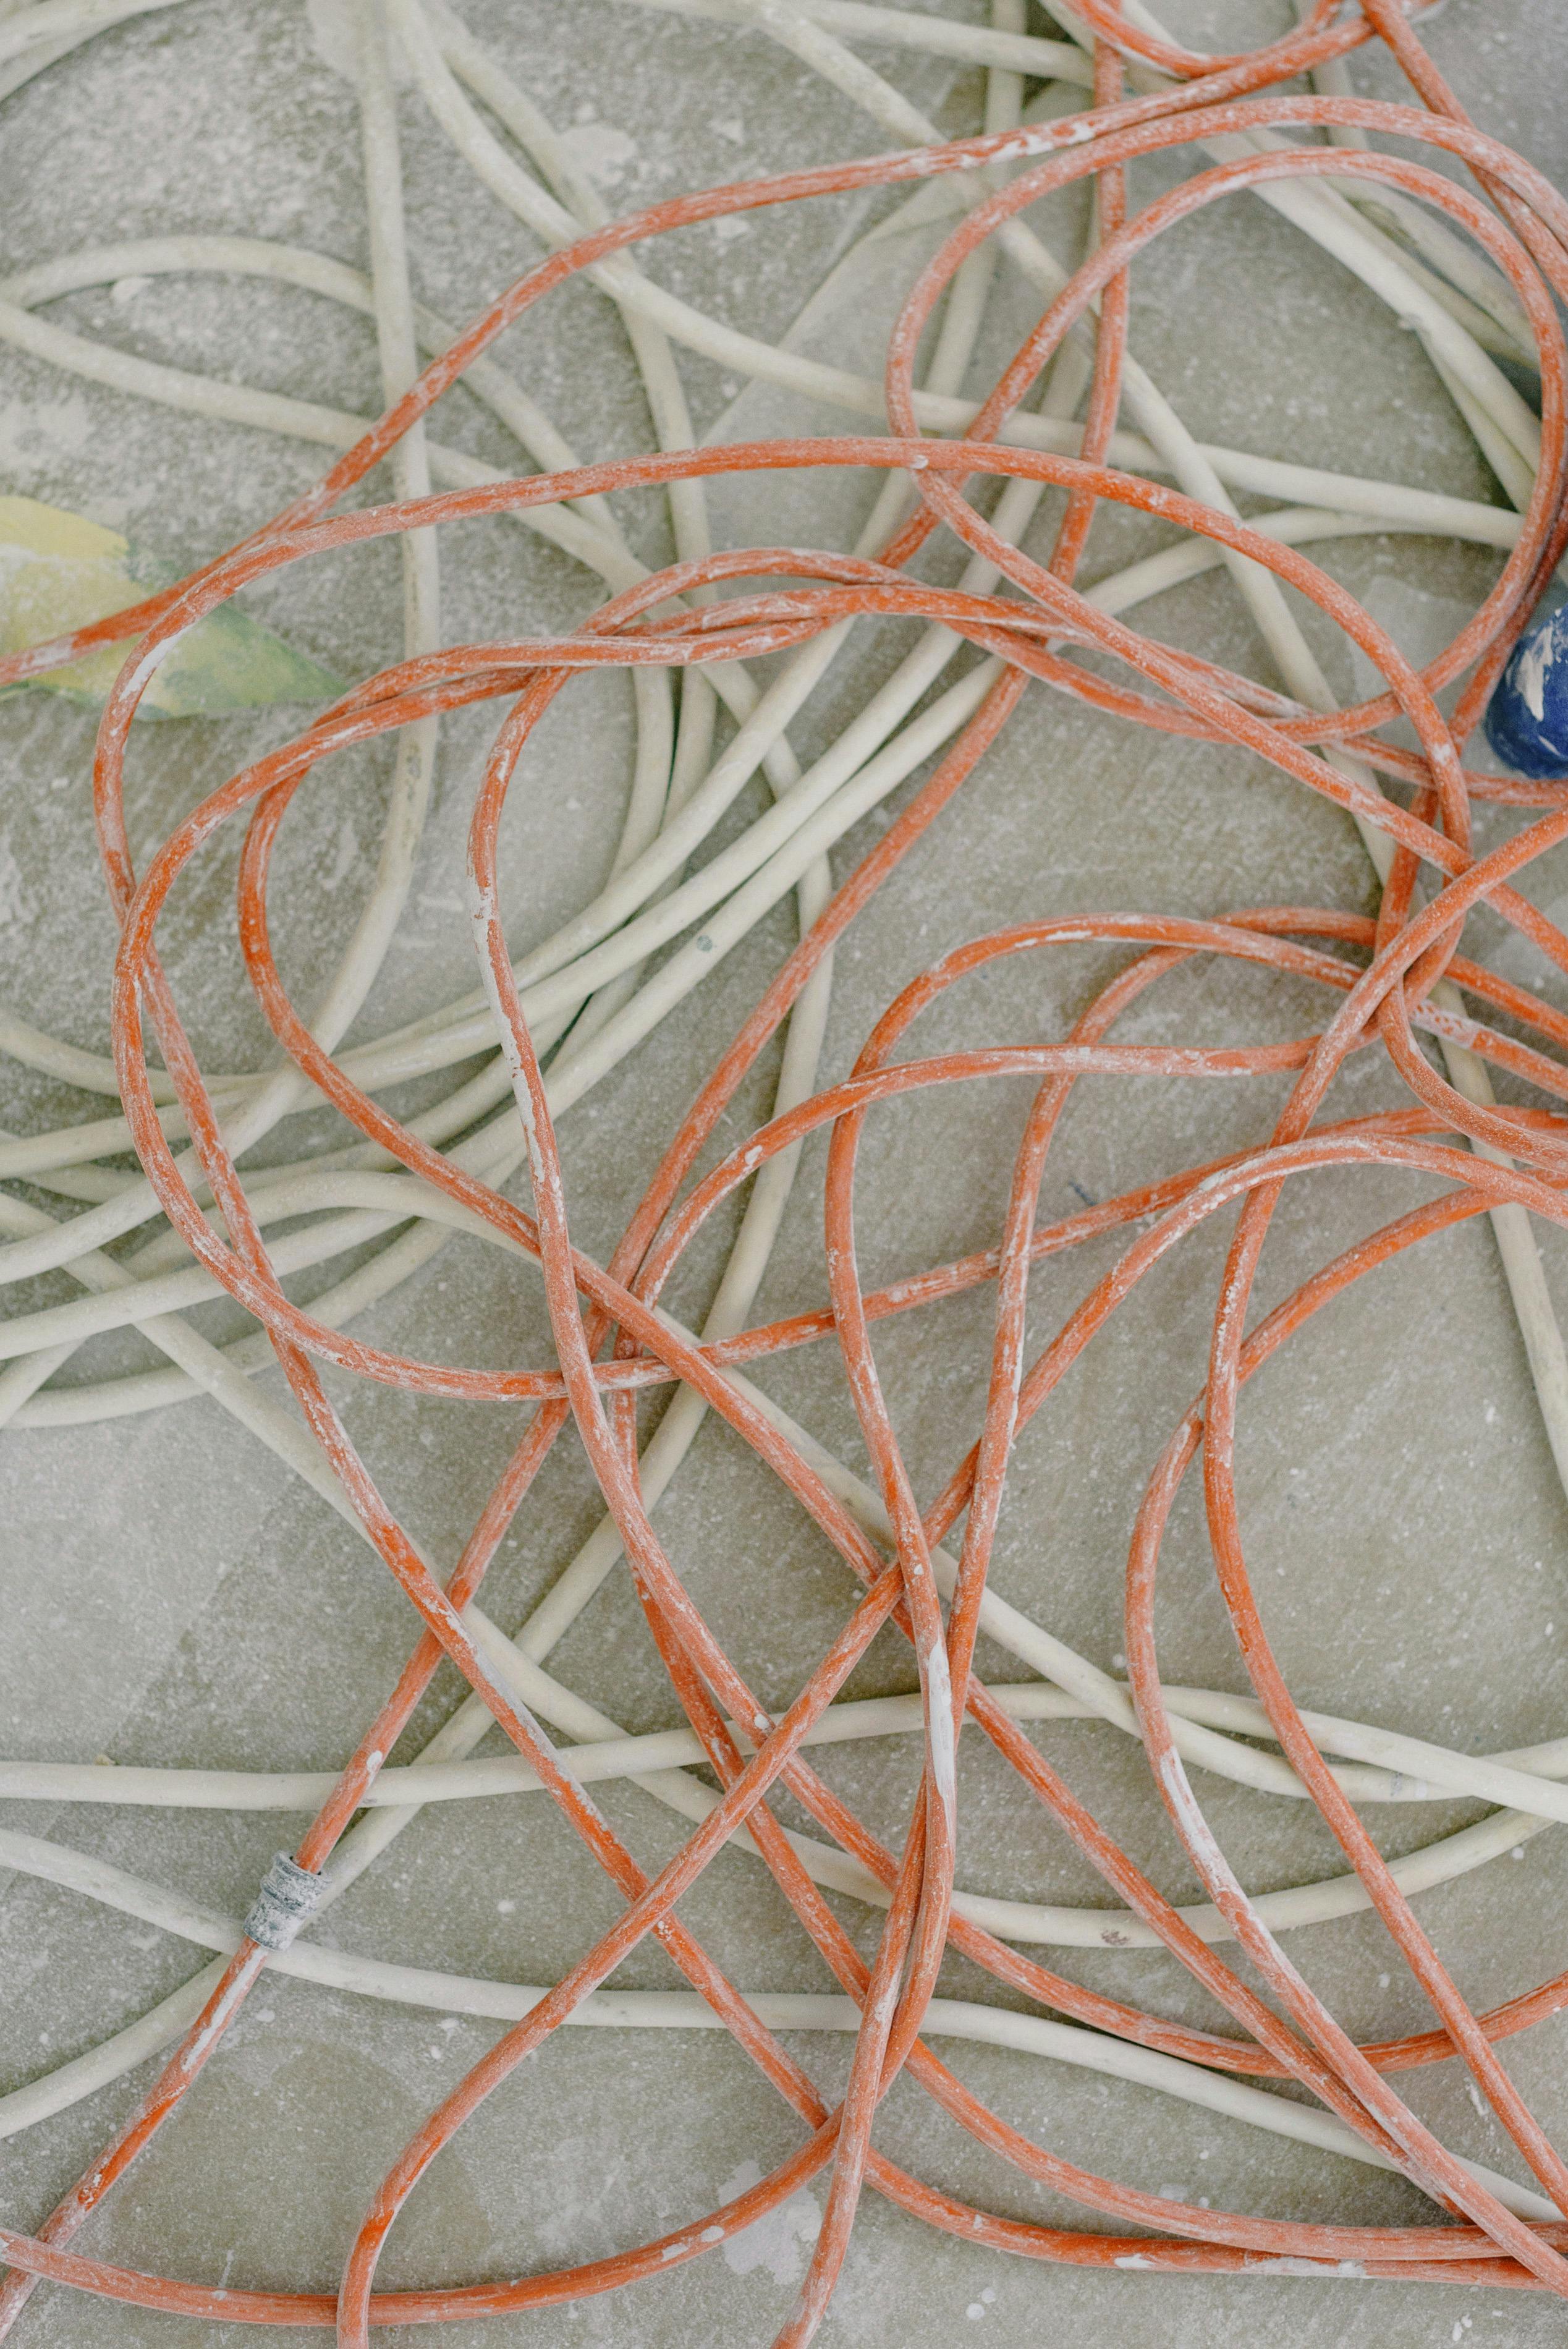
(1398, 984)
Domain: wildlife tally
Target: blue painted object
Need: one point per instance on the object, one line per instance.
(1527, 716)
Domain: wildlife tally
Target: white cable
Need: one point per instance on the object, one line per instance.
(1063, 2042)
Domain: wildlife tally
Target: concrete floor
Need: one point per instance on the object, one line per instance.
(172, 1596)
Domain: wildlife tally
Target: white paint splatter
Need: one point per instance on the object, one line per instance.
(774, 2241)
(600, 152)
(1534, 660)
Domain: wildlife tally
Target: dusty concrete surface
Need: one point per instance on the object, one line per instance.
(172, 1595)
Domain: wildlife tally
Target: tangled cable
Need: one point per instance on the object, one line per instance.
(1392, 982)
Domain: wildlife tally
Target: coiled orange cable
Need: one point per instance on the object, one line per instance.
(612, 1339)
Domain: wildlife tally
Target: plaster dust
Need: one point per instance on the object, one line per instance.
(1383, 1516)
